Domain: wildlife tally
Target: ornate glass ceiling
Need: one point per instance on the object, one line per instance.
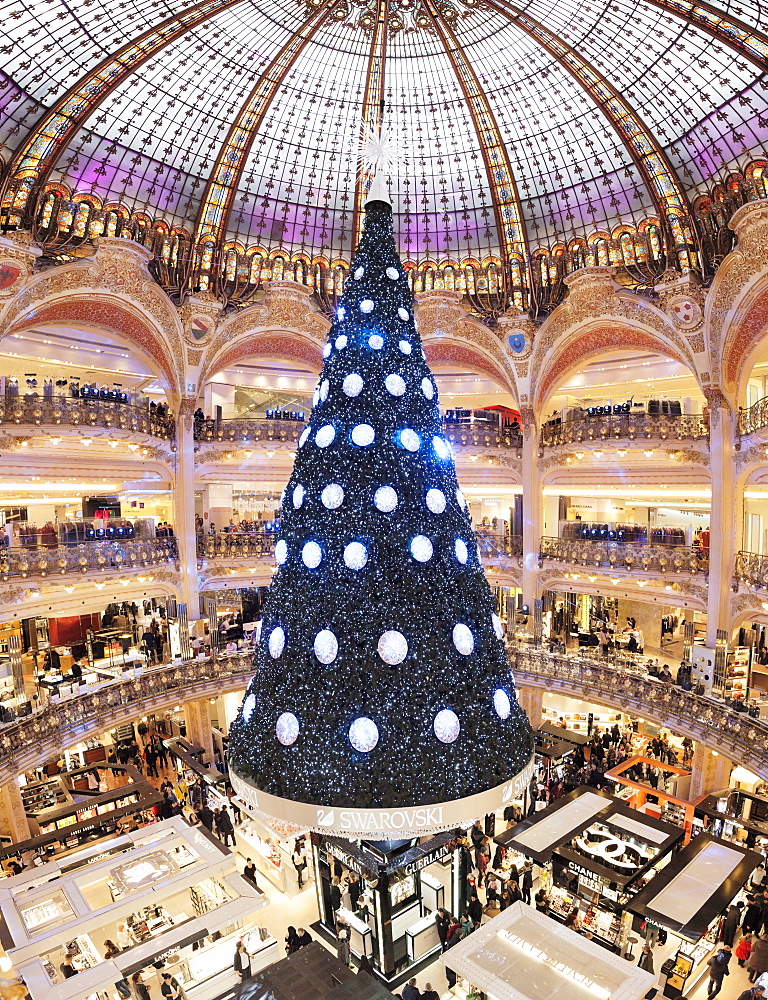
(527, 123)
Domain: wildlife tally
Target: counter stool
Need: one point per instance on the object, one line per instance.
(632, 941)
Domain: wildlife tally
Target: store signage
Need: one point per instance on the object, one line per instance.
(352, 863)
(434, 855)
(379, 824)
(144, 871)
(582, 979)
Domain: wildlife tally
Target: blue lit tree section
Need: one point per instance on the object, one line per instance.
(381, 674)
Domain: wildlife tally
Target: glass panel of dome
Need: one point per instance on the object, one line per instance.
(176, 116)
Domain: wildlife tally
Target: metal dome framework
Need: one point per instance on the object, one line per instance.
(541, 136)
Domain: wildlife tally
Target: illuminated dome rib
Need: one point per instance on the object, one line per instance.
(660, 177)
(228, 169)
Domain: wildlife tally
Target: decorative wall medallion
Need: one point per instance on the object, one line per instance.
(201, 326)
(517, 342)
(10, 272)
(684, 312)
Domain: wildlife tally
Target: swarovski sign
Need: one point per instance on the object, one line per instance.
(382, 823)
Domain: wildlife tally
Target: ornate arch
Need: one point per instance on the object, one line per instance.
(451, 351)
(596, 337)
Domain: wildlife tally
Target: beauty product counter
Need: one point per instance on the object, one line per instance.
(175, 887)
(270, 843)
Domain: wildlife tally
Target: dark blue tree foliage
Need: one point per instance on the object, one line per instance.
(379, 628)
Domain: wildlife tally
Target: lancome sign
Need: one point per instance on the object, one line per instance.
(382, 823)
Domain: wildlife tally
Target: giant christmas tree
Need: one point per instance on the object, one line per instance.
(381, 680)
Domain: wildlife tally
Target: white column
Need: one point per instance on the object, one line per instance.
(723, 527)
(184, 512)
(532, 512)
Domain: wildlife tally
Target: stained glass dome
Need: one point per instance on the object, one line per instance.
(527, 124)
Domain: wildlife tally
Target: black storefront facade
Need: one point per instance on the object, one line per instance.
(401, 887)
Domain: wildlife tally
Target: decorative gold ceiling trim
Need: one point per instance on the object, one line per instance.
(373, 101)
(657, 171)
(216, 208)
(504, 195)
(36, 158)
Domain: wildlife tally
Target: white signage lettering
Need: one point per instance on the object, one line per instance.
(573, 975)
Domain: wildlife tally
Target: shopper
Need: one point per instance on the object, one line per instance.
(467, 924)
(731, 923)
(171, 988)
(150, 756)
(125, 937)
(342, 943)
(758, 960)
(527, 882)
(67, 969)
(541, 900)
(718, 970)
(335, 894)
(304, 937)
(365, 966)
(743, 949)
(410, 992)
(250, 873)
(111, 951)
(454, 932)
(645, 962)
(205, 815)
(443, 922)
(242, 962)
(428, 993)
(299, 859)
(291, 941)
(753, 916)
(476, 910)
(140, 988)
(572, 920)
(754, 993)
(224, 828)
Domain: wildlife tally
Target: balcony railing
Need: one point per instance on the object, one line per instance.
(33, 739)
(236, 545)
(243, 430)
(753, 417)
(631, 556)
(752, 568)
(734, 734)
(625, 426)
(493, 546)
(86, 558)
(75, 412)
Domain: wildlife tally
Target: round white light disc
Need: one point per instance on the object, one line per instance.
(248, 706)
(298, 496)
(446, 726)
(427, 388)
(341, 313)
(501, 703)
(385, 499)
(498, 628)
(341, 342)
(395, 385)
(363, 435)
(363, 734)
(311, 555)
(463, 639)
(325, 436)
(421, 548)
(352, 384)
(460, 548)
(358, 273)
(436, 501)
(409, 439)
(392, 273)
(325, 385)
(304, 435)
(327, 350)
(376, 342)
(276, 642)
(405, 347)
(355, 555)
(461, 500)
(441, 447)
(366, 306)
(287, 729)
(326, 646)
(393, 647)
(332, 496)
(403, 313)
(281, 552)
(315, 397)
